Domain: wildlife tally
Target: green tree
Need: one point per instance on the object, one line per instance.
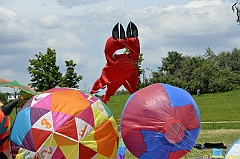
(172, 63)
(210, 72)
(235, 60)
(3, 98)
(24, 98)
(46, 75)
(44, 71)
(70, 79)
(170, 71)
(141, 72)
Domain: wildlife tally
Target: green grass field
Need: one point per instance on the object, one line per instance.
(219, 113)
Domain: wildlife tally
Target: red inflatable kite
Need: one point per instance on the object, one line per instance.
(120, 69)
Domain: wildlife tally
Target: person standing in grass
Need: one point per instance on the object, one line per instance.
(187, 88)
(198, 92)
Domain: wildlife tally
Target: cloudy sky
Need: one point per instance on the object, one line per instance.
(78, 30)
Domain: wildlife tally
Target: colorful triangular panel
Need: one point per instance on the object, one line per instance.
(45, 122)
(50, 141)
(63, 140)
(59, 119)
(70, 151)
(48, 148)
(89, 141)
(28, 142)
(99, 106)
(45, 99)
(87, 116)
(83, 128)
(69, 129)
(99, 156)
(99, 117)
(58, 154)
(90, 98)
(85, 152)
(68, 102)
(46, 151)
(39, 137)
(28, 103)
(36, 114)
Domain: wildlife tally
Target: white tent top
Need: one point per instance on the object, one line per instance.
(234, 150)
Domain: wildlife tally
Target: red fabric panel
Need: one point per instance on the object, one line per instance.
(174, 131)
(178, 154)
(85, 152)
(187, 116)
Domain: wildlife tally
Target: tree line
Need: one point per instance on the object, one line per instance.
(208, 72)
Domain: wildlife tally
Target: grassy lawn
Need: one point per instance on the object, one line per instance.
(214, 109)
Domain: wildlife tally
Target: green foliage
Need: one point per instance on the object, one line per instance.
(24, 98)
(70, 79)
(44, 71)
(119, 92)
(46, 75)
(210, 73)
(140, 72)
(3, 98)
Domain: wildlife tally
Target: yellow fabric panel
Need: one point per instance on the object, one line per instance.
(72, 105)
(19, 155)
(99, 156)
(89, 141)
(99, 117)
(50, 141)
(70, 151)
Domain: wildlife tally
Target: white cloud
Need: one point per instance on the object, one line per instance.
(65, 40)
(203, 3)
(49, 21)
(7, 14)
(72, 3)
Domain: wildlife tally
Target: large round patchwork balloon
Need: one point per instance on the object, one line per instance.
(64, 123)
(160, 122)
